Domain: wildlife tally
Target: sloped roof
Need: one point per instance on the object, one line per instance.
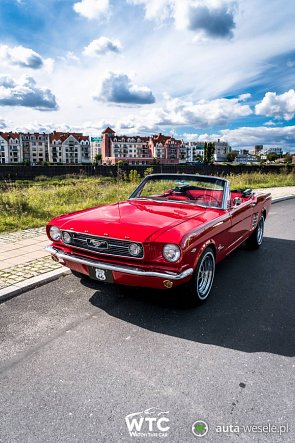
(108, 130)
(8, 135)
(62, 136)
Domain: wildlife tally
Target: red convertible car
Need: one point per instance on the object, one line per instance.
(171, 231)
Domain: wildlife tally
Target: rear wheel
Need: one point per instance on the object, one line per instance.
(199, 287)
(256, 238)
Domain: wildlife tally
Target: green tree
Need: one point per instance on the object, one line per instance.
(288, 158)
(209, 149)
(134, 176)
(231, 156)
(148, 171)
(97, 158)
(272, 156)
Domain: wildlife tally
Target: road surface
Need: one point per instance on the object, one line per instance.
(77, 357)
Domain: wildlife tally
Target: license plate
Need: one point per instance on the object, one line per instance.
(103, 275)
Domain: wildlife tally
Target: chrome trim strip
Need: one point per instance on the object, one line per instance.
(71, 231)
(134, 271)
(226, 195)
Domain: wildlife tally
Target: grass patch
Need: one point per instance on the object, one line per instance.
(30, 204)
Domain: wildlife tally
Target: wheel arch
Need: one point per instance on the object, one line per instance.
(208, 244)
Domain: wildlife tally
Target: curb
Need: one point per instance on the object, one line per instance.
(282, 199)
(31, 283)
(43, 279)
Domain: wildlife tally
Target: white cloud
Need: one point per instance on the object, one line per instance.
(202, 114)
(158, 10)
(251, 136)
(87, 128)
(119, 88)
(26, 93)
(3, 123)
(92, 9)
(269, 123)
(102, 46)
(208, 18)
(180, 113)
(277, 106)
(20, 56)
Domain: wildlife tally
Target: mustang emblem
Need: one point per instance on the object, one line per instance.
(99, 244)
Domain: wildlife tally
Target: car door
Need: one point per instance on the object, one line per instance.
(241, 222)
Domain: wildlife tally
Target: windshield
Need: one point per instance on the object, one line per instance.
(200, 190)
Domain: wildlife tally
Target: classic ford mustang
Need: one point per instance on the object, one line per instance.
(171, 231)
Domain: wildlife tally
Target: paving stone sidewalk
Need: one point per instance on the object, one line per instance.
(24, 261)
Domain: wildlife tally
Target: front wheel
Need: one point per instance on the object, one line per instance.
(256, 238)
(199, 287)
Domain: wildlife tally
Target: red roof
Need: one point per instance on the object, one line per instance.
(62, 136)
(108, 130)
(164, 139)
(8, 135)
(126, 137)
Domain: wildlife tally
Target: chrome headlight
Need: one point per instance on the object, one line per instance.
(134, 249)
(66, 238)
(55, 233)
(171, 252)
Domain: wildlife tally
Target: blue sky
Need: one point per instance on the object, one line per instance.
(197, 69)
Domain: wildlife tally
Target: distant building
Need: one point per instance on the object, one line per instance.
(222, 149)
(95, 147)
(66, 147)
(10, 147)
(277, 151)
(140, 150)
(131, 149)
(258, 149)
(35, 147)
(245, 157)
(194, 151)
(167, 149)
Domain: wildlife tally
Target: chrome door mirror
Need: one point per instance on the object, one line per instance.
(237, 201)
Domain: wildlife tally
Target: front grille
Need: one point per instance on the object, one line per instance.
(103, 245)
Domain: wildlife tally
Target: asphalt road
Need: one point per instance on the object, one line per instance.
(76, 358)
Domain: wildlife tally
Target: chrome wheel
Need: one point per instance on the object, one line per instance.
(205, 275)
(260, 231)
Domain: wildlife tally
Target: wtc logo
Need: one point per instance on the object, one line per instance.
(152, 422)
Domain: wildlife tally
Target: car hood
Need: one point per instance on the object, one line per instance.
(137, 220)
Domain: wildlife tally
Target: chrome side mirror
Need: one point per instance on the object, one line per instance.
(237, 201)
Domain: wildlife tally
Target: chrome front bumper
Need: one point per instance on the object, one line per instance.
(60, 255)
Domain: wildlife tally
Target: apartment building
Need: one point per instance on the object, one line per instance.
(167, 149)
(131, 149)
(35, 147)
(95, 148)
(10, 147)
(69, 148)
(139, 150)
(194, 151)
(221, 151)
